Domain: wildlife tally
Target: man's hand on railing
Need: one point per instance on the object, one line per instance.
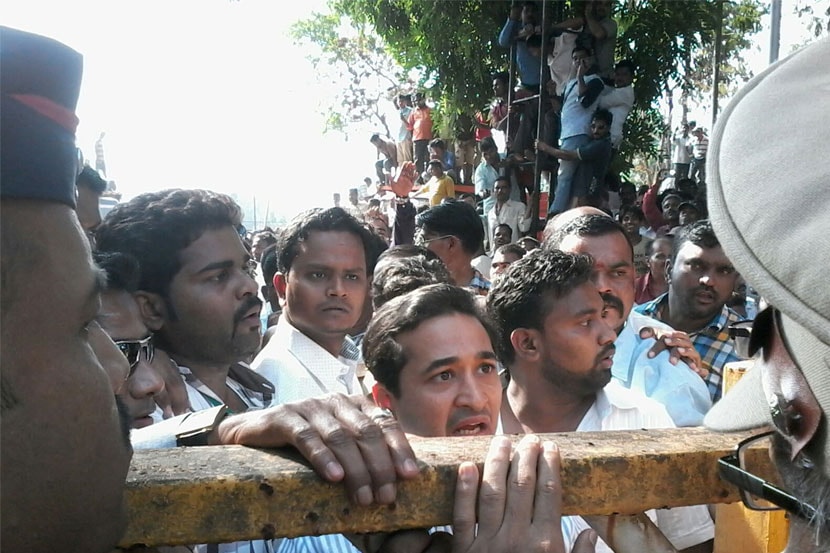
(345, 438)
(518, 506)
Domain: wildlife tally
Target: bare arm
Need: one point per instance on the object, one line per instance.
(568, 155)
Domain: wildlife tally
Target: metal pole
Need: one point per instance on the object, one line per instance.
(718, 47)
(775, 30)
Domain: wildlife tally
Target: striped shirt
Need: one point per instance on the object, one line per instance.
(699, 147)
(712, 342)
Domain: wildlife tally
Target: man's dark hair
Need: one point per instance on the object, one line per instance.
(155, 227)
(488, 144)
(586, 225)
(268, 236)
(384, 356)
(515, 249)
(632, 210)
(405, 274)
(377, 245)
(580, 48)
(454, 218)
(504, 178)
(503, 225)
(269, 264)
(375, 137)
(603, 115)
(699, 233)
(526, 292)
(502, 76)
(438, 143)
(122, 270)
(333, 219)
(627, 64)
(90, 178)
(407, 250)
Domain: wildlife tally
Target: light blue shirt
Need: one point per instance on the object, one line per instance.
(680, 389)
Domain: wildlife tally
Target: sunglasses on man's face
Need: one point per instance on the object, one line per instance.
(132, 349)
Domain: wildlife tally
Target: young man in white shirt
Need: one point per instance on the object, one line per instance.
(323, 283)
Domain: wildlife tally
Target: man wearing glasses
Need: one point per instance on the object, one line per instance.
(120, 318)
(786, 396)
(453, 232)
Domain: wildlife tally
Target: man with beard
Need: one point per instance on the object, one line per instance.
(558, 350)
(640, 363)
(787, 389)
(701, 279)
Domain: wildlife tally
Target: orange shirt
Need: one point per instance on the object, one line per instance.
(420, 121)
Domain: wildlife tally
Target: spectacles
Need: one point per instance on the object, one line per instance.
(740, 468)
(421, 241)
(741, 334)
(132, 349)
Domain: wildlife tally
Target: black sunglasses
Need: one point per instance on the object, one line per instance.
(757, 493)
(132, 349)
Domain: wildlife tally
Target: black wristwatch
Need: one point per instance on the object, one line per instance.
(196, 427)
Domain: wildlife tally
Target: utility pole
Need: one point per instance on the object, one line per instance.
(775, 30)
(718, 47)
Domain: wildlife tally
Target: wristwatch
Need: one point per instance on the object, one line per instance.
(196, 427)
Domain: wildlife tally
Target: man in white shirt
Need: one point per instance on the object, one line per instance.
(509, 212)
(682, 152)
(323, 282)
(558, 349)
(619, 99)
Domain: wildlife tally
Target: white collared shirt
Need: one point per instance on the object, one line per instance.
(618, 408)
(299, 368)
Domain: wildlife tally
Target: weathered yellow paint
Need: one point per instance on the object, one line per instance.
(741, 530)
(222, 494)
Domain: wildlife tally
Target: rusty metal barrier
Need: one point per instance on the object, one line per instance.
(231, 493)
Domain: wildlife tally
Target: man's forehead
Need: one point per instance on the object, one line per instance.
(120, 317)
(604, 249)
(690, 250)
(324, 244)
(212, 246)
(583, 299)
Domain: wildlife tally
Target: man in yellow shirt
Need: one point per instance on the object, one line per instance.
(439, 186)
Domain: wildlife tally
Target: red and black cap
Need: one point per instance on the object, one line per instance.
(40, 80)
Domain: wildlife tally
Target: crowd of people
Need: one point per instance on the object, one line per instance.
(329, 336)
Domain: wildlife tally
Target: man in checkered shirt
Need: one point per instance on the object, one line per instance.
(701, 280)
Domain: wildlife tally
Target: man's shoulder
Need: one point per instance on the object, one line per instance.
(631, 409)
(638, 320)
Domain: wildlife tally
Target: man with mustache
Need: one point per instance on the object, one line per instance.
(324, 264)
(558, 350)
(639, 362)
(701, 279)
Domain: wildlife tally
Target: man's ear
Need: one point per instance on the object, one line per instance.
(153, 309)
(669, 265)
(280, 285)
(382, 397)
(526, 342)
